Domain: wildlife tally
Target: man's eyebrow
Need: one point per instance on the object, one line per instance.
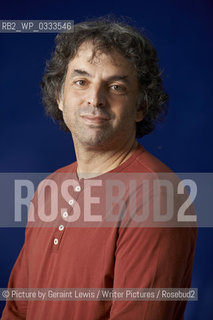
(77, 72)
(118, 77)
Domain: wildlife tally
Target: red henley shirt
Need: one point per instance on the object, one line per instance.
(107, 257)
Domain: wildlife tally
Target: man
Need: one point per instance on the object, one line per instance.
(103, 85)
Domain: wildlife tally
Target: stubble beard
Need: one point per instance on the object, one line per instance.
(90, 136)
(94, 136)
(104, 136)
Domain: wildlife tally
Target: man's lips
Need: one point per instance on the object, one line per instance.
(90, 119)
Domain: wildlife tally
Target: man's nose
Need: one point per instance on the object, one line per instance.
(96, 97)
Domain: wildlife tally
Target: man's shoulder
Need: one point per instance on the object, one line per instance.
(70, 168)
(60, 172)
(144, 161)
(57, 176)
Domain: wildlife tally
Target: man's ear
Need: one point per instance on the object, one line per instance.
(60, 100)
(141, 108)
(60, 103)
(141, 111)
(139, 115)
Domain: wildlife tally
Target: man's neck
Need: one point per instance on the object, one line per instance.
(93, 162)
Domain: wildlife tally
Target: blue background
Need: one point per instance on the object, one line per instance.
(182, 32)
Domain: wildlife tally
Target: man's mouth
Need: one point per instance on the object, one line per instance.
(95, 120)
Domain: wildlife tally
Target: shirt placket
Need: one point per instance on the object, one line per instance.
(63, 223)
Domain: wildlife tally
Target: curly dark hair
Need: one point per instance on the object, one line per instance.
(107, 34)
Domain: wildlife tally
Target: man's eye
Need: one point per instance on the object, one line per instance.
(80, 83)
(117, 88)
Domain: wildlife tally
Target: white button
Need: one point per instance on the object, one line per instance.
(77, 188)
(71, 202)
(65, 214)
(56, 241)
(61, 227)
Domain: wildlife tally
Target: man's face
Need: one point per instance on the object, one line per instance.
(99, 98)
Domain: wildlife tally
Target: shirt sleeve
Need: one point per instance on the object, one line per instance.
(153, 257)
(15, 310)
(19, 278)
